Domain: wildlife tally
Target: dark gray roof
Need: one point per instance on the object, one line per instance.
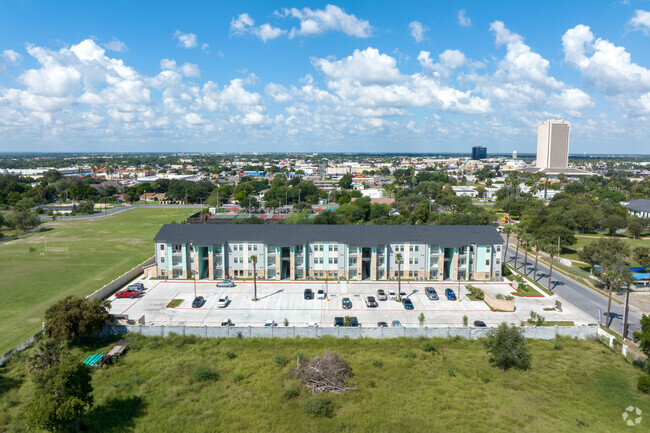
(640, 205)
(296, 234)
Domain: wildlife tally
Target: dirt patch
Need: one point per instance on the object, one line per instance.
(34, 320)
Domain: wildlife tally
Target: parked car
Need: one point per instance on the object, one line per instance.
(338, 321)
(223, 302)
(320, 294)
(431, 293)
(227, 322)
(391, 295)
(309, 294)
(347, 304)
(136, 286)
(382, 324)
(381, 295)
(270, 323)
(198, 302)
(408, 304)
(370, 302)
(402, 294)
(479, 324)
(451, 296)
(127, 293)
(354, 321)
(396, 324)
(226, 283)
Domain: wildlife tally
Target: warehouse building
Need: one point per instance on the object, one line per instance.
(335, 252)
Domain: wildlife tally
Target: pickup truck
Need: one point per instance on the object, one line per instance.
(127, 293)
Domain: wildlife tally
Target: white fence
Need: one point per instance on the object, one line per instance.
(22, 346)
(542, 332)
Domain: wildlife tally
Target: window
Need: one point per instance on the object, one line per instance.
(321, 247)
(320, 273)
(410, 261)
(250, 247)
(329, 247)
(410, 247)
(254, 247)
(487, 262)
(162, 260)
(249, 260)
(498, 249)
(415, 261)
(416, 248)
(330, 260)
(410, 273)
(234, 247)
(487, 249)
(336, 247)
(336, 260)
(235, 260)
(498, 261)
(162, 247)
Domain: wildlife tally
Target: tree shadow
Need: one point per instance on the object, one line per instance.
(115, 415)
(8, 383)
(90, 343)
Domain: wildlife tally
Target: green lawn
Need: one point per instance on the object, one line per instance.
(571, 252)
(583, 386)
(100, 250)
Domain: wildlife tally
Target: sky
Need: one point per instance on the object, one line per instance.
(347, 76)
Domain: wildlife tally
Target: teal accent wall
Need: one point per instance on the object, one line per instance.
(481, 255)
(184, 255)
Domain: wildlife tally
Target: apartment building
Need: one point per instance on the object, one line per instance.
(336, 252)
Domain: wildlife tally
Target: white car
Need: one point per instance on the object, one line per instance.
(391, 295)
(320, 294)
(223, 302)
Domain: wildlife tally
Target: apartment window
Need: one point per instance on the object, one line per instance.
(415, 261)
(329, 247)
(320, 273)
(234, 247)
(410, 247)
(321, 260)
(322, 247)
(416, 248)
(330, 260)
(254, 247)
(162, 248)
(162, 260)
(498, 261)
(498, 249)
(410, 261)
(410, 273)
(487, 263)
(336, 260)
(336, 247)
(235, 260)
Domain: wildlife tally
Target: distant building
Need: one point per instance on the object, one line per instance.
(553, 144)
(479, 152)
(514, 154)
(640, 208)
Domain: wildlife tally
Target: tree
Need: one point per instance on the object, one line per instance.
(46, 355)
(23, 220)
(64, 392)
(642, 255)
(643, 338)
(508, 230)
(254, 260)
(614, 222)
(591, 254)
(552, 250)
(635, 227)
(73, 317)
(538, 245)
(204, 214)
(507, 346)
(346, 181)
(398, 258)
(526, 238)
(518, 232)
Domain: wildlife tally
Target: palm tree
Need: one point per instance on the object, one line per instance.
(537, 244)
(551, 249)
(254, 260)
(508, 230)
(526, 238)
(517, 232)
(398, 258)
(204, 214)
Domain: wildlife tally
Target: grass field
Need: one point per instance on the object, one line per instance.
(575, 386)
(571, 252)
(100, 250)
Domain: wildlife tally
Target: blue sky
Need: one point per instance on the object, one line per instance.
(357, 76)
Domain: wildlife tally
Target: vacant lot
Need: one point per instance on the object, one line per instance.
(99, 250)
(571, 252)
(577, 386)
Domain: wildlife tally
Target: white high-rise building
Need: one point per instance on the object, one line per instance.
(514, 154)
(553, 144)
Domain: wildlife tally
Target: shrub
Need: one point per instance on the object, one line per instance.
(507, 346)
(285, 322)
(421, 319)
(281, 360)
(475, 292)
(237, 377)
(203, 373)
(318, 406)
(290, 393)
(230, 354)
(372, 384)
(557, 346)
(429, 347)
(644, 383)
(377, 363)
(409, 354)
(346, 321)
(450, 372)
(536, 319)
(465, 320)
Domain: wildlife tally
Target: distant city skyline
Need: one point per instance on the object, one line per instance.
(361, 77)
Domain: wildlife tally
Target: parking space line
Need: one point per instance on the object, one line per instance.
(141, 297)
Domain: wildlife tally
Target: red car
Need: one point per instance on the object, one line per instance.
(127, 293)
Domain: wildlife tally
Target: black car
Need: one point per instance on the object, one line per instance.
(382, 324)
(408, 304)
(338, 321)
(227, 322)
(309, 294)
(198, 302)
(346, 303)
(479, 324)
(354, 321)
(370, 302)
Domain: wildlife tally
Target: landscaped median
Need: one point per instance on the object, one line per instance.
(174, 303)
(498, 303)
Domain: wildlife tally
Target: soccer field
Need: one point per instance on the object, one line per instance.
(98, 250)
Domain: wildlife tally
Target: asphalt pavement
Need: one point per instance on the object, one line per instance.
(111, 211)
(578, 294)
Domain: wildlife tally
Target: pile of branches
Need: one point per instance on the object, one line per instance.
(327, 373)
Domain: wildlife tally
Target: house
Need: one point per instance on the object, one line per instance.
(640, 208)
(340, 252)
(152, 196)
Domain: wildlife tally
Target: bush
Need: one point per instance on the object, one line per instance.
(203, 373)
(319, 406)
(475, 292)
(507, 346)
(429, 347)
(230, 354)
(377, 363)
(536, 319)
(290, 393)
(450, 372)
(465, 321)
(557, 346)
(281, 360)
(237, 377)
(409, 354)
(644, 383)
(372, 384)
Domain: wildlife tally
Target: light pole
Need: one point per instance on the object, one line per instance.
(194, 267)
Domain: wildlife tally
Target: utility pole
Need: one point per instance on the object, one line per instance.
(627, 307)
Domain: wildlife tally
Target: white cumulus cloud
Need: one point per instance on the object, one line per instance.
(245, 24)
(185, 40)
(463, 20)
(116, 45)
(332, 18)
(417, 30)
(641, 21)
(11, 57)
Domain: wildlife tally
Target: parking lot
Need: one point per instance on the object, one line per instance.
(284, 300)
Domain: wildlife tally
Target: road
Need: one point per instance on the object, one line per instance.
(111, 211)
(581, 296)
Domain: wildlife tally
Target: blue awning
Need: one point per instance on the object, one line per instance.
(641, 276)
